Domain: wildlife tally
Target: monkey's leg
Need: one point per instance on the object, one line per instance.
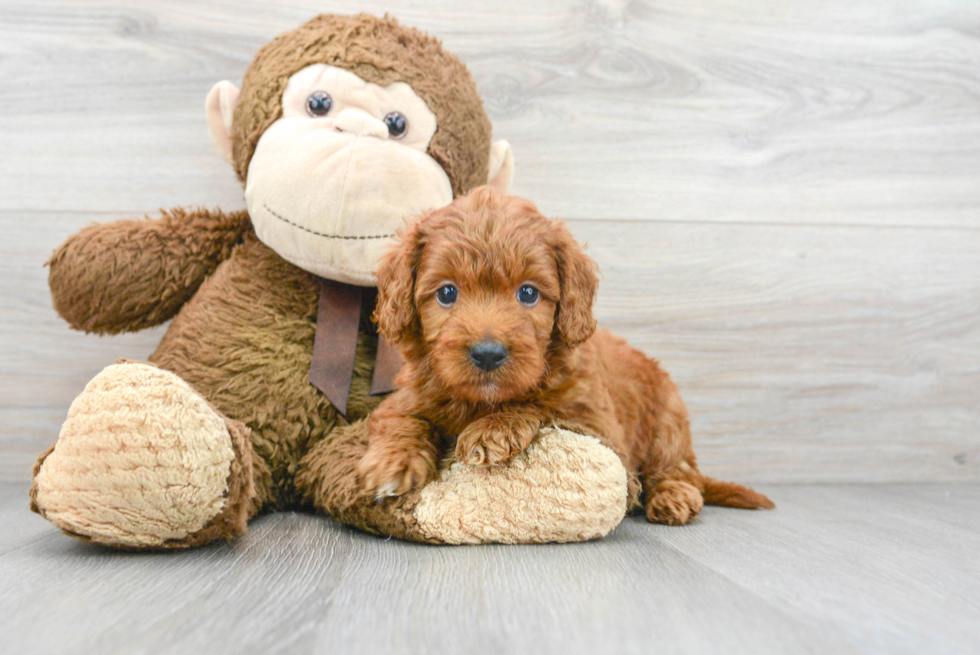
(565, 487)
(328, 480)
(143, 461)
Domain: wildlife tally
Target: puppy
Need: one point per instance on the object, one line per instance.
(491, 303)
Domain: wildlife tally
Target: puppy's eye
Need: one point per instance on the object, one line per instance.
(397, 124)
(319, 103)
(528, 295)
(446, 295)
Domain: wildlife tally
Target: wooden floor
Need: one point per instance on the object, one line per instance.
(835, 569)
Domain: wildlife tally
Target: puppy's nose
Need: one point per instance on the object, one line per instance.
(488, 355)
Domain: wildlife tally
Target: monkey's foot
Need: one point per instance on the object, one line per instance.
(143, 461)
(564, 487)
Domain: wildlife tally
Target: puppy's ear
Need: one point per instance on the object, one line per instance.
(579, 281)
(395, 312)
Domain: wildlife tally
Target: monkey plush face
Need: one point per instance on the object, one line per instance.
(331, 181)
(343, 129)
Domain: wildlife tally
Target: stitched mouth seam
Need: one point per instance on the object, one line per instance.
(321, 234)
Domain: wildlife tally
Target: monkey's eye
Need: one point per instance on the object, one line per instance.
(319, 103)
(397, 124)
(528, 295)
(447, 294)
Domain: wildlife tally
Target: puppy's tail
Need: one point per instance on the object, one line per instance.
(729, 494)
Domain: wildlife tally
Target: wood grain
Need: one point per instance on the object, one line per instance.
(850, 569)
(826, 353)
(782, 197)
(790, 112)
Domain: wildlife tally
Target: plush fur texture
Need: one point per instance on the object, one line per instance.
(242, 334)
(144, 462)
(133, 274)
(382, 51)
(557, 368)
(548, 493)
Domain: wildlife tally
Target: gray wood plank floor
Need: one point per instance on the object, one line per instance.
(836, 569)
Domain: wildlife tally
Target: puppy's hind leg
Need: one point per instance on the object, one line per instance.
(672, 487)
(674, 497)
(674, 491)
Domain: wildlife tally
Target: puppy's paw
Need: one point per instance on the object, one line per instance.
(674, 502)
(495, 440)
(387, 470)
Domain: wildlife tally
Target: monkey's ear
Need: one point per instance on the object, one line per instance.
(579, 281)
(219, 107)
(501, 166)
(395, 312)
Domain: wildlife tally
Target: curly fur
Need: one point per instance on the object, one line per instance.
(244, 318)
(558, 368)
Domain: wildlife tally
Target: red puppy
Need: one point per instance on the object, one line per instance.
(492, 305)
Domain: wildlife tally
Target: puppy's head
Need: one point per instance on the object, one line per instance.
(485, 292)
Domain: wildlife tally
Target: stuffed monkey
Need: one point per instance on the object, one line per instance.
(255, 398)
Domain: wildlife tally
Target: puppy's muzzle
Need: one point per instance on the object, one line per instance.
(488, 355)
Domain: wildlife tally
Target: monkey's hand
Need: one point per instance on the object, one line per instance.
(133, 274)
(401, 456)
(496, 439)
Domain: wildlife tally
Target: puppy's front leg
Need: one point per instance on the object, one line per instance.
(401, 453)
(497, 438)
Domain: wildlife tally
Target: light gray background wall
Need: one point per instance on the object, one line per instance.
(784, 198)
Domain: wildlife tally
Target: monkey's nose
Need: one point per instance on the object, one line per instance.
(488, 355)
(357, 122)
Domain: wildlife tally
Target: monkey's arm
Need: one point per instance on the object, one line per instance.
(133, 274)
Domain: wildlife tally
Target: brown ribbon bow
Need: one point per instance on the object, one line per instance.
(335, 346)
